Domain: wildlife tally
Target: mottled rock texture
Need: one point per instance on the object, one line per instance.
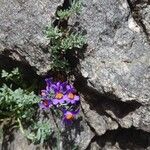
(114, 76)
(140, 12)
(116, 65)
(77, 136)
(22, 23)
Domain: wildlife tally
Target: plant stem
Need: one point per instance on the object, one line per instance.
(20, 126)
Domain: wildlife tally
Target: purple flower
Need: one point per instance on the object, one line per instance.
(71, 98)
(59, 87)
(69, 116)
(48, 84)
(48, 93)
(45, 104)
(60, 90)
(59, 98)
(44, 94)
(70, 88)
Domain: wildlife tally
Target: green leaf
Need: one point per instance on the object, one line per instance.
(4, 74)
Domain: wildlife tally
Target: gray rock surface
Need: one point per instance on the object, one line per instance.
(119, 60)
(22, 23)
(78, 136)
(140, 12)
(116, 66)
(100, 123)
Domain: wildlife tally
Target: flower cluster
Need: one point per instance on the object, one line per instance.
(61, 96)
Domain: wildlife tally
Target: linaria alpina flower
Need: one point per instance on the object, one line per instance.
(58, 86)
(70, 96)
(48, 84)
(60, 96)
(45, 104)
(69, 116)
(48, 93)
(60, 90)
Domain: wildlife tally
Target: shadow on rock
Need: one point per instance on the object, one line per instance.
(8, 136)
(131, 138)
(71, 134)
(105, 102)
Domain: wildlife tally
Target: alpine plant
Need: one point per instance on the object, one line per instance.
(63, 97)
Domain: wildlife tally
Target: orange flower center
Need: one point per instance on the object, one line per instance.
(69, 116)
(71, 96)
(59, 96)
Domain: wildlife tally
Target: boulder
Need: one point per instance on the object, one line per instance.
(116, 66)
(22, 25)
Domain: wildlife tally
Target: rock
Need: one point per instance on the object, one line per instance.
(94, 146)
(121, 139)
(139, 119)
(146, 17)
(119, 62)
(116, 69)
(116, 65)
(18, 142)
(78, 135)
(140, 12)
(22, 23)
(100, 123)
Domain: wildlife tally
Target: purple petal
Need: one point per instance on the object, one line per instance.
(61, 101)
(72, 101)
(42, 106)
(64, 111)
(55, 101)
(55, 88)
(58, 84)
(66, 97)
(76, 98)
(70, 88)
(64, 84)
(48, 88)
(43, 93)
(67, 122)
(48, 81)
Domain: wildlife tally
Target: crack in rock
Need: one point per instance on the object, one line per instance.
(140, 12)
(102, 112)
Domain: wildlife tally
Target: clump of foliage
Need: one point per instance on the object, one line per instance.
(16, 78)
(64, 40)
(65, 14)
(20, 106)
(17, 103)
(39, 132)
(14, 75)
